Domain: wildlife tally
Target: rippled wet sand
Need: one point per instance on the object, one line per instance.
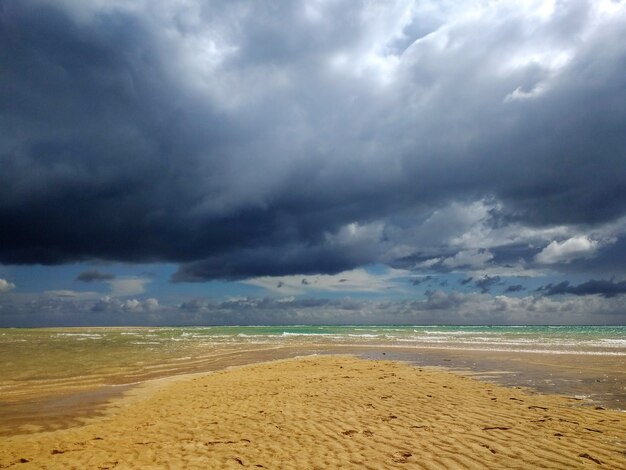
(55, 378)
(331, 412)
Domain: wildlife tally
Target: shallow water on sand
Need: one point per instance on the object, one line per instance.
(48, 377)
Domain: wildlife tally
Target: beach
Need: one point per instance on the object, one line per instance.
(331, 412)
(303, 397)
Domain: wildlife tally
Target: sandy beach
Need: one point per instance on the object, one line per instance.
(331, 412)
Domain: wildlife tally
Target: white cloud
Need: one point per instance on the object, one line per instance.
(151, 304)
(356, 280)
(468, 258)
(71, 294)
(479, 232)
(6, 286)
(519, 94)
(114, 305)
(132, 305)
(568, 250)
(125, 287)
(429, 263)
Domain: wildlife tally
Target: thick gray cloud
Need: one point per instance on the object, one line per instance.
(94, 276)
(591, 287)
(245, 139)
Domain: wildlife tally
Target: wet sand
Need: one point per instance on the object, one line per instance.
(331, 412)
(598, 379)
(47, 405)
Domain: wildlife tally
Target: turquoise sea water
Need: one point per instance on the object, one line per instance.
(40, 354)
(120, 343)
(555, 339)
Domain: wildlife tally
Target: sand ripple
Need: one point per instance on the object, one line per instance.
(332, 412)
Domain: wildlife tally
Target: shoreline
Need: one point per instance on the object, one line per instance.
(329, 410)
(595, 381)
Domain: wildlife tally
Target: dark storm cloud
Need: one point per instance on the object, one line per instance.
(273, 261)
(591, 287)
(94, 276)
(243, 139)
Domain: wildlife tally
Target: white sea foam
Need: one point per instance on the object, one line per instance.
(613, 342)
(496, 349)
(455, 333)
(289, 333)
(81, 336)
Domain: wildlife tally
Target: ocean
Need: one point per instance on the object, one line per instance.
(57, 353)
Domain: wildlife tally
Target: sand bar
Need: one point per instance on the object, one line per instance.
(46, 405)
(331, 412)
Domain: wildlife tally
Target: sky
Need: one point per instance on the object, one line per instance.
(198, 162)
